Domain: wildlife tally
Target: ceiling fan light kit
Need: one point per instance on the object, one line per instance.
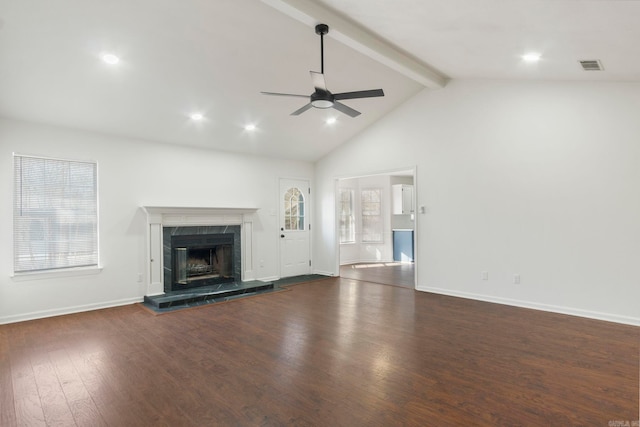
(321, 101)
(323, 98)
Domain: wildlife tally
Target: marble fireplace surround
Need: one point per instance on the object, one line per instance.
(161, 217)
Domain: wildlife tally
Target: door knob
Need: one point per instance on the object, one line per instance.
(282, 235)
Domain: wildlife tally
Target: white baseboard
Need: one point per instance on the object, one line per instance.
(67, 310)
(366, 261)
(627, 320)
(274, 278)
(634, 321)
(324, 273)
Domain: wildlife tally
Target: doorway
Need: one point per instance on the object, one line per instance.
(372, 212)
(294, 205)
(387, 273)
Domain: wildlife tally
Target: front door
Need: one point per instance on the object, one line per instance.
(294, 228)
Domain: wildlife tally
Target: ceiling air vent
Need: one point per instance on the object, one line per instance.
(591, 65)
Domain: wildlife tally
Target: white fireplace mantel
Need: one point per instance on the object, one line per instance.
(173, 216)
(183, 215)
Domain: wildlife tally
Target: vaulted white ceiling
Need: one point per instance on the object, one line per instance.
(215, 56)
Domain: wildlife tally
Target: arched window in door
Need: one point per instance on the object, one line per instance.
(294, 209)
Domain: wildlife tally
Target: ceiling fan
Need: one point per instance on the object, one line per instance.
(322, 97)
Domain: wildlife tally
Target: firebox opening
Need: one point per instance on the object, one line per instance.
(202, 260)
(203, 264)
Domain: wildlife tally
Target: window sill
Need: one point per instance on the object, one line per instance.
(53, 274)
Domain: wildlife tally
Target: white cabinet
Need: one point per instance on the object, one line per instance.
(402, 199)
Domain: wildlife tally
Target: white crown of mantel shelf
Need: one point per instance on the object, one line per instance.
(196, 215)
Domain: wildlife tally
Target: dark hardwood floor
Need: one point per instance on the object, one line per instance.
(334, 352)
(386, 273)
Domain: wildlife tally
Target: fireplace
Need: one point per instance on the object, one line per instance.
(202, 260)
(201, 256)
(165, 222)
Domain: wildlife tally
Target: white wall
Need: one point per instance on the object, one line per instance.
(539, 179)
(131, 174)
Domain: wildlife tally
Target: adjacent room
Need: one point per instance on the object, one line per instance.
(376, 216)
(314, 213)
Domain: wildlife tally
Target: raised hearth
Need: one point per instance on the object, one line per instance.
(172, 301)
(207, 295)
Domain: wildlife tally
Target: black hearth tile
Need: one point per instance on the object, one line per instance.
(207, 294)
(195, 297)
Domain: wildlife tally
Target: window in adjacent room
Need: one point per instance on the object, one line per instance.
(371, 216)
(347, 220)
(55, 214)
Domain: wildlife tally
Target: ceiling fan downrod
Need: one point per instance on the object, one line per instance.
(322, 29)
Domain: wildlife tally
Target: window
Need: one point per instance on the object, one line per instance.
(371, 216)
(55, 214)
(347, 221)
(293, 209)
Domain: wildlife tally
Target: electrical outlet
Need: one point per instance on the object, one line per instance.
(139, 277)
(516, 279)
(485, 275)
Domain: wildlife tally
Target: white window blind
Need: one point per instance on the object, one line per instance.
(55, 217)
(371, 216)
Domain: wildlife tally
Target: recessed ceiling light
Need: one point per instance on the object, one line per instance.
(250, 127)
(196, 117)
(110, 58)
(330, 120)
(531, 57)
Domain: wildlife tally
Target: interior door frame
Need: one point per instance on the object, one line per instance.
(418, 211)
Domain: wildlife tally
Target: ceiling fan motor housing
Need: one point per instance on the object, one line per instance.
(321, 99)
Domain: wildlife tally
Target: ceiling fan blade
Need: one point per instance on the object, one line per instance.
(318, 81)
(284, 94)
(301, 110)
(359, 94)
(347, 110)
